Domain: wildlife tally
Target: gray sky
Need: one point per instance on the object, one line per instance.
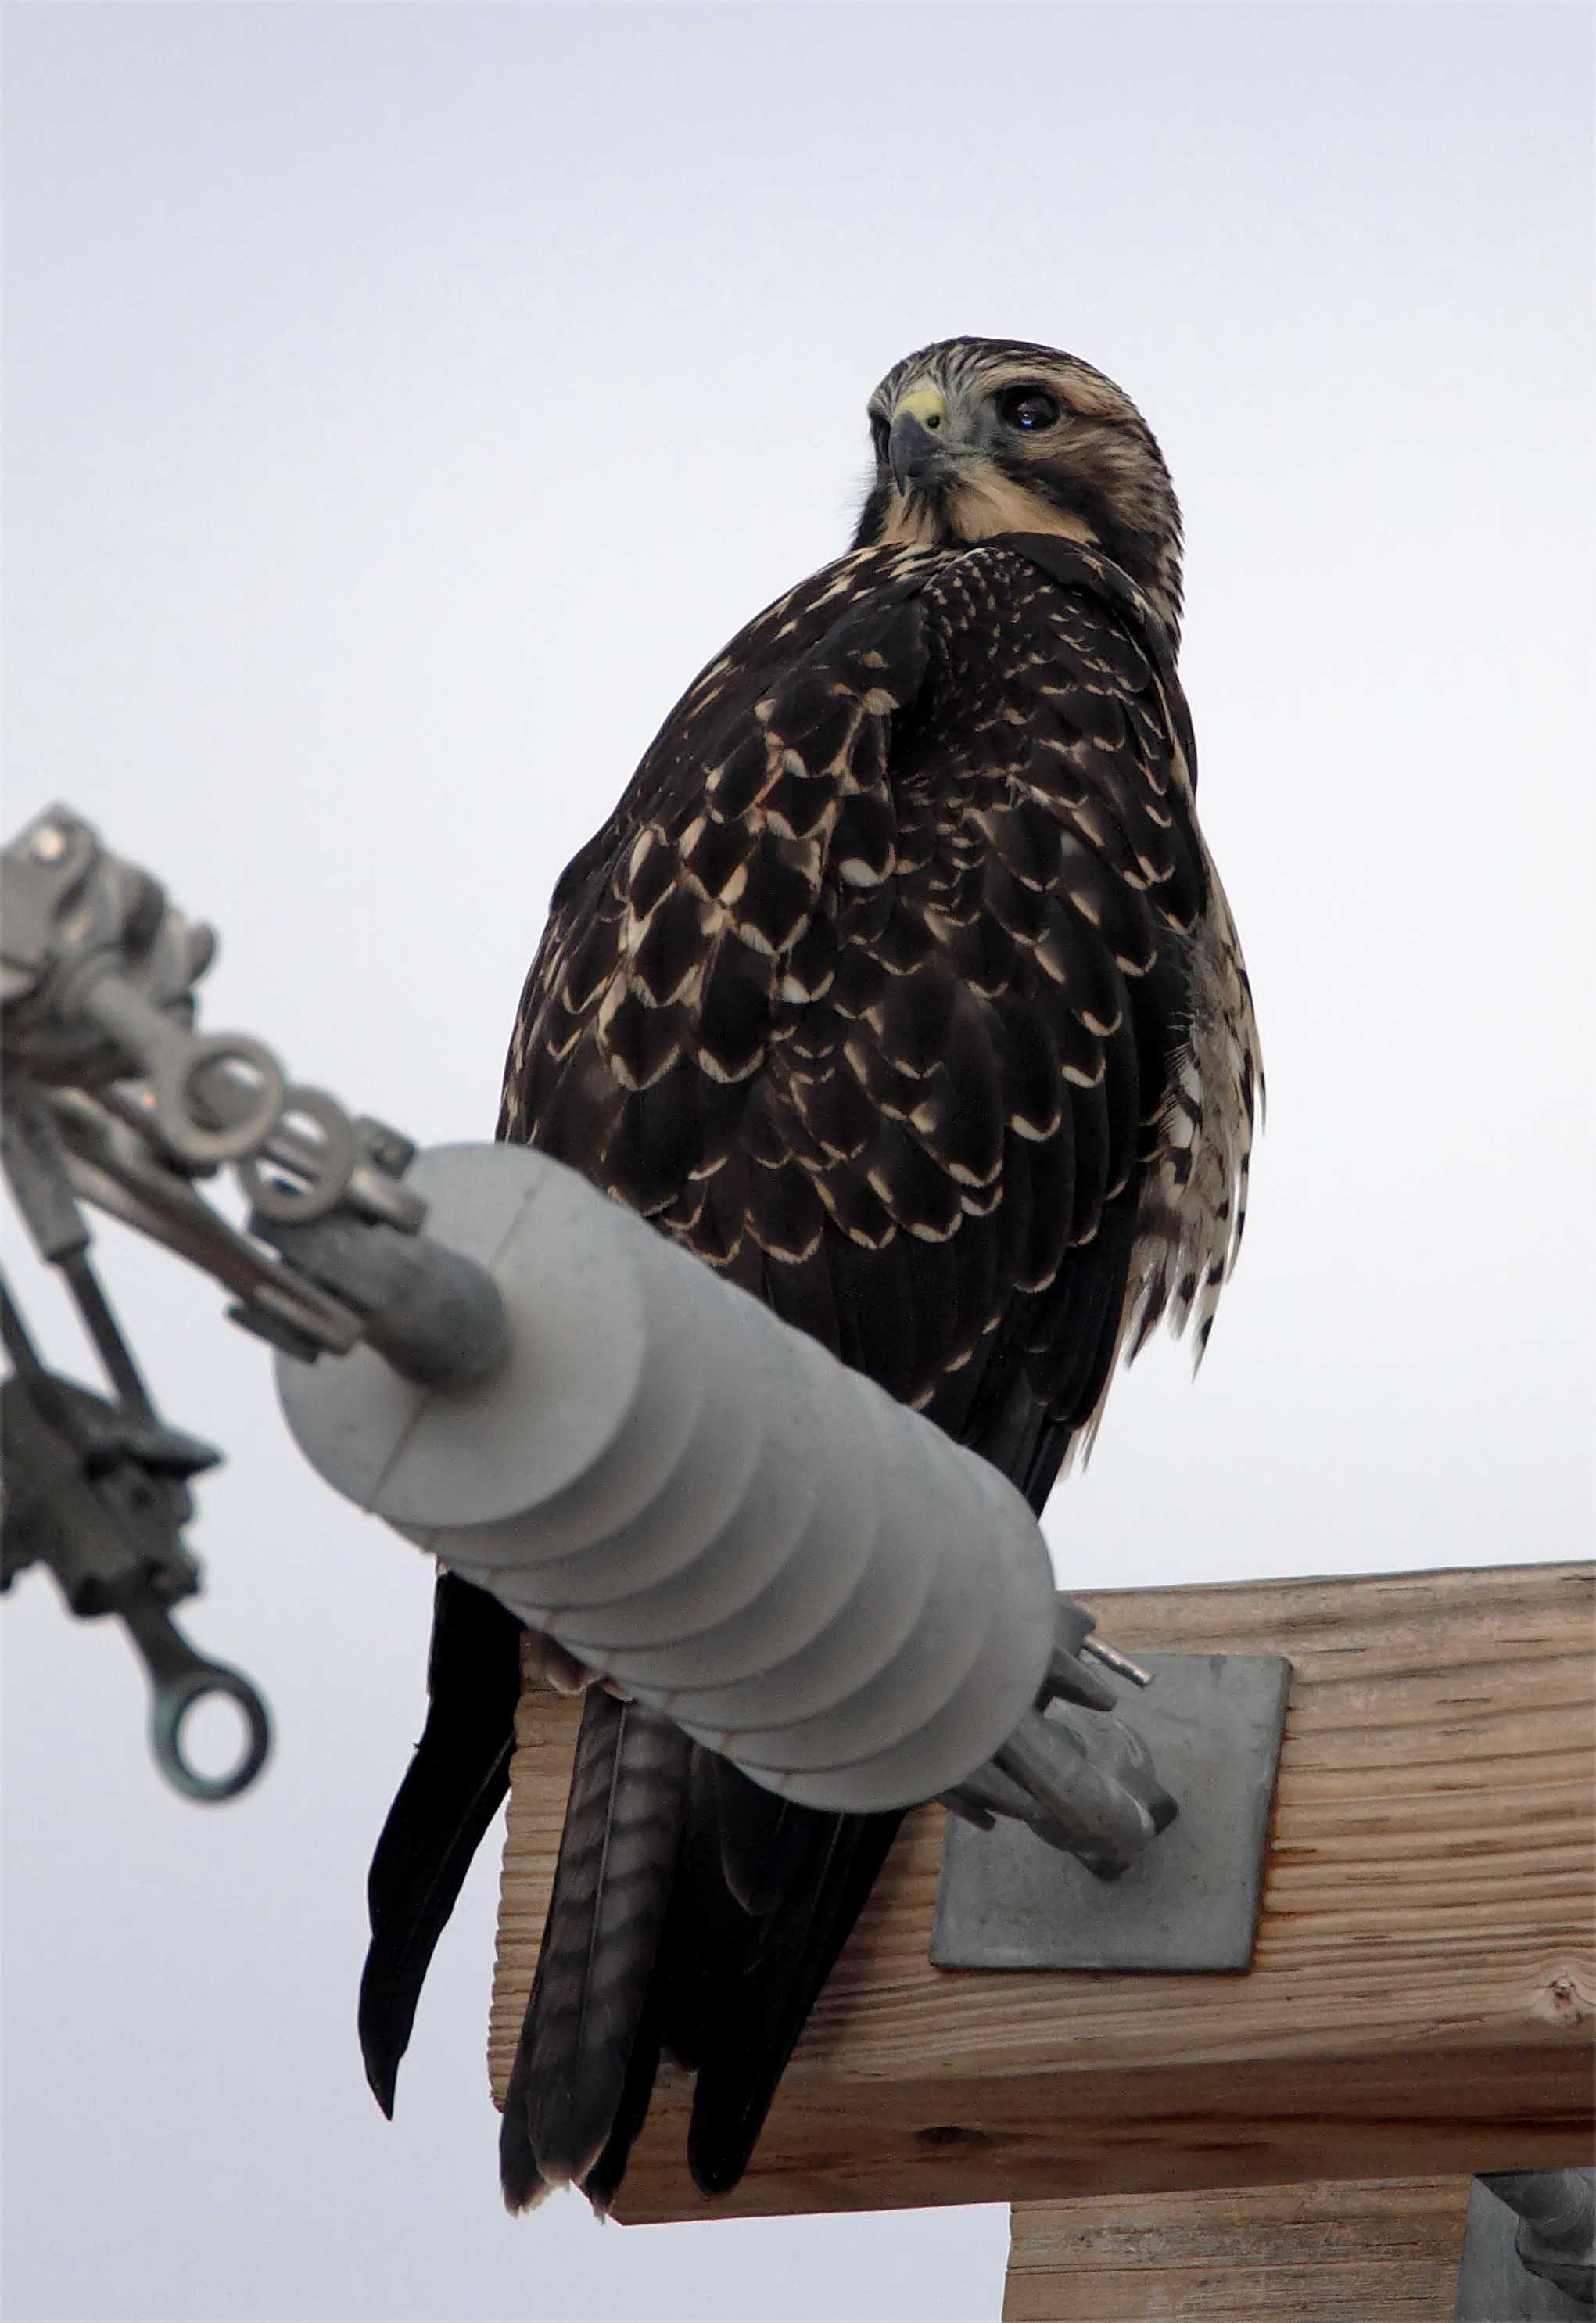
(402, 404)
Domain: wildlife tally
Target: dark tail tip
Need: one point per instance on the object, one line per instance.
(450, 1794)
(520, 2181)
(384, 2031)
(716, 2171)
(381, 2076)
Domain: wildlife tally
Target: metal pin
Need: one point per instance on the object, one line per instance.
(1120, 1664)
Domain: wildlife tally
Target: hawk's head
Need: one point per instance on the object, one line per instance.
(978, 436)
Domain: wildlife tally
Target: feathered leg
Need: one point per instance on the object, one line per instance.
(611, 1891)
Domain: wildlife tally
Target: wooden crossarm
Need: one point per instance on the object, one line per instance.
(1346, 2252)
(1422, 1995)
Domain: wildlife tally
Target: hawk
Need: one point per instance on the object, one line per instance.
(900, 988)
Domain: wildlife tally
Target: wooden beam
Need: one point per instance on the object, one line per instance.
(1341, 2253)
(1423, 1992)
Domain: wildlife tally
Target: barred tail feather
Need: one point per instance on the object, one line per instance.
(612, 1887)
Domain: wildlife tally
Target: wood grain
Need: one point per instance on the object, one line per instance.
(1379, 2252)
(1422, 1994)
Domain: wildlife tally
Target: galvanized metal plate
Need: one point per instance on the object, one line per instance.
(1213, 1723)
(1494, 2285)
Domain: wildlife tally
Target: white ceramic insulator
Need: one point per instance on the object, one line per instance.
(698, 1501)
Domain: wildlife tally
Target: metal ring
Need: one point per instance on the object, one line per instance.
(178, 1122)
(329, 1172)
(175, 1698)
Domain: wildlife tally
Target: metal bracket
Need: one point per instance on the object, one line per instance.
(1212, 1724)
(1529, 2248)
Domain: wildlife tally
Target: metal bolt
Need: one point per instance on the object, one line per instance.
(1120, 1664)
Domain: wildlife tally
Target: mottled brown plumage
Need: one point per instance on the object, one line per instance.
(900, 988)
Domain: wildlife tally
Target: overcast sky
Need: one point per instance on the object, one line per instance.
(402, 404)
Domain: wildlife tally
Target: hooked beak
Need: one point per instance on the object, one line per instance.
(917, 445)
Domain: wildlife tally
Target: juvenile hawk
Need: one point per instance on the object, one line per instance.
(899, 987)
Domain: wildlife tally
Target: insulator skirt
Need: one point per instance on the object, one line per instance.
(698, 1501)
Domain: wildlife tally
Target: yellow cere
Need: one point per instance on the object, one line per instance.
(929, 405)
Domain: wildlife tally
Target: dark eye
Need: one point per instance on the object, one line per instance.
(1029, 409)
